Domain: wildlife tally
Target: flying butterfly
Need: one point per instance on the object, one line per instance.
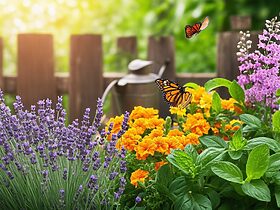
(196, 28)
(173, 93)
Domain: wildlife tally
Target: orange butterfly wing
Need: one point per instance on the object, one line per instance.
(173, 93)
(196, 28)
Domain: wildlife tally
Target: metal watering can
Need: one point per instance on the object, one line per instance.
(137, 88)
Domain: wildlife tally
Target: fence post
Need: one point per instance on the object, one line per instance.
(127, 46)
(1, 64)
(161, 50)
(35, 80)
(86, 74)
(227, 64)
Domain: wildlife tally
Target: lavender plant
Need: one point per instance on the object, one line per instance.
(48, 165)
(259, 70)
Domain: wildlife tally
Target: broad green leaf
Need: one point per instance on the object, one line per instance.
(257, 189)
(183, 162)
(216, 102)
(237, 142)
(192, 85)
(164, 175)
(213, 141)
(235, 155)
(276, 121)
(190, 149)
(237, 92)
(210, 155)
(183, 202)
(257, 162)
(201, 202)
(215, 83)
(228, 171)
(214, 197)
(274, 164)
(271, 143)
(179, 186)
(251, 120)
(277, 195)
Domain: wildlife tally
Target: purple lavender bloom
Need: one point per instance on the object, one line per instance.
(138, 199)
(113, 175)
(65, 173)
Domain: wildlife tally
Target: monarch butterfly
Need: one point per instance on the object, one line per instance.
(196, 28)
(173, 93)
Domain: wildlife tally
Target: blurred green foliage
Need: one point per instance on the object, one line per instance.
(115, 18)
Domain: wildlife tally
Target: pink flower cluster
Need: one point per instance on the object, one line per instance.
(259, 70)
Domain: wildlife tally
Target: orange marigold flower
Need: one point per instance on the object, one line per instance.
(159, 164)
(129, 139)
(231, 125)
(138, 176)
(228, 104)
(173, 143)
(161, 145)
(193, 138)
(156, 132)
(178, 111)
(206, 101)
(175, 132)
(196, 124)
(142, 112)
(145, 148)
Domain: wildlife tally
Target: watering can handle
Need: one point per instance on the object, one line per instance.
(163, 67)
(108, 88)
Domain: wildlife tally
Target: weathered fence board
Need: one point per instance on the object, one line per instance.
(86, 69)
(127, 46)
(35, 79)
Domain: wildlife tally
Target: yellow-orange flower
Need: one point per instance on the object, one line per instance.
(230, 105)
(145, 148)
(178, 111)
(161, 144)
(142, 112)
(192, 138)
(129, 139)
(175, 132)
(159, 164)
(196, 124)
(138, 176)
(231, 125)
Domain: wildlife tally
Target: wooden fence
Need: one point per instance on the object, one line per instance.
(36, 77)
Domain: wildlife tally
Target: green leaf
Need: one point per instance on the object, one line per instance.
(237, 142)
(257, 162)
(215, 83)
(277, 195)
(210, 155)
(251, 120)
(201, 202)
(182, 161)
(190, 149)
(257, 189)
(192, 85)
(237, 92)
(276, 121)
(183, 202)
(271, 143)
(235, 155)
(213, 141)
(179, 186)
(164, 175)
(228, 171)
(214, 197)
(274, 164)
(216, 102)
